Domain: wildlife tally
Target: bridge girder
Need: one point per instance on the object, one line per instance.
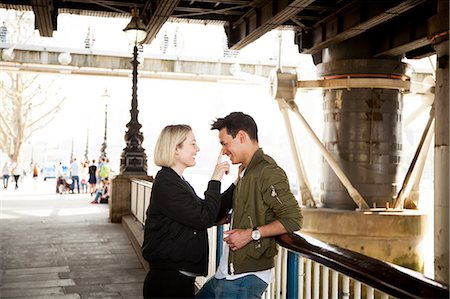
(46, 15)
(397, 27)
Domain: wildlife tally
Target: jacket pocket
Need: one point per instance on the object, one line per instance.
(197, 247)
(267, 249)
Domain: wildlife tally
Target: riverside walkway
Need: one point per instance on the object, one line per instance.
(61, 246)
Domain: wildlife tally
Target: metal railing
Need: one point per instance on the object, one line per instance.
(140, 198)
(307, 268)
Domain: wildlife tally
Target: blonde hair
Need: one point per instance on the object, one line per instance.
(169, 139)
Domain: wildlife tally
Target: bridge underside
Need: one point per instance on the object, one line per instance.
(373, 36)
(397, 27)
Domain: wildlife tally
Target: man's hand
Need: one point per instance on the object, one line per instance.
(238, 238)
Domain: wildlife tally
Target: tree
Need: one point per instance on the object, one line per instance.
(24, 108)
(26, 103)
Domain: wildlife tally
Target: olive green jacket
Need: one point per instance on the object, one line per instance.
(260, 197)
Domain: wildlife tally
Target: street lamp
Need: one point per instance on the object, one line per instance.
(71, 152)
(133, 160)
(86, 150)
(105, 98)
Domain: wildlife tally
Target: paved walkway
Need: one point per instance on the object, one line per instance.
(61, 246)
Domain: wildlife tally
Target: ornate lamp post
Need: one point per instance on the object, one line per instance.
(86, 150)
(71, 152)
(133, 160)
(105, 98)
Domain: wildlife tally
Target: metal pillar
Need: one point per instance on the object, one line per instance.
(363, 131)
(304, 186)
(438, 30)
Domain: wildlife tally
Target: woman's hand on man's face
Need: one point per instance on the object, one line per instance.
(221, 168)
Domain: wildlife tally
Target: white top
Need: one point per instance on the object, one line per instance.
(74, 169)
(5, 170)
(59, 171)
(17, 169)
(222, 271)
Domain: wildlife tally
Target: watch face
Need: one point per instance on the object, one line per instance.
(256, 235)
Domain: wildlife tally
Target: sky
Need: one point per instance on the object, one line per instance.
(164, 102)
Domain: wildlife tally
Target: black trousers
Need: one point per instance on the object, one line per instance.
(168, 284)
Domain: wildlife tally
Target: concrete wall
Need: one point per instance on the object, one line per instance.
(395, 237)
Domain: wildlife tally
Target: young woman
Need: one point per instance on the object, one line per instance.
(6, 173)
(92, 171)
(175, 238)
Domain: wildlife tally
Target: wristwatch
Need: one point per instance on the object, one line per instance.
(256, 234)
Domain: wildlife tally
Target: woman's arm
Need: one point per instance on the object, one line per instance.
(226, 204)
(176, 200)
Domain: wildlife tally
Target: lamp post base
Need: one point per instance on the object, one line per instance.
(120, 200)
(133, 163)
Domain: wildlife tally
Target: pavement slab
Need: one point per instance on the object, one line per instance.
(61, 246)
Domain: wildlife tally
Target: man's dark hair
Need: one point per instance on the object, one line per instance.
(235, 122)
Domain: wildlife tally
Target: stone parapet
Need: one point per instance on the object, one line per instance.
(120, 201)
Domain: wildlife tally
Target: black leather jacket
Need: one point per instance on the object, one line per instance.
(175, 234)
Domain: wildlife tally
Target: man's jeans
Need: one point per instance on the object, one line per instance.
(249, 286)
(77, 179)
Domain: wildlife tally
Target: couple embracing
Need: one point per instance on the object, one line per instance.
(259, 205)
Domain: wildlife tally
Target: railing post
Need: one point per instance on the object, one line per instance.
(219, 244)
(143, 208)
(292, 281)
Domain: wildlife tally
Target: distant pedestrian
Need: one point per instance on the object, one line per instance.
(84, 176)
(103, 171)
(92, 178)
(75, 175)
(35, 171)
(59, 173)
(6, 174)
(102, 194)
(17, 171)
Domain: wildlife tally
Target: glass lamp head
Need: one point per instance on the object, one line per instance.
(135, 30)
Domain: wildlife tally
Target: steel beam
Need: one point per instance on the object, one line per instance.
(352, 22)
(158, 17)
(262, 19)
(45, 16)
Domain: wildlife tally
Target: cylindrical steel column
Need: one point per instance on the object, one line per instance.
(363, 130)
(438, 29)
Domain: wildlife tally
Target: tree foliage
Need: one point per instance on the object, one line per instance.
(27, 102)
(26, 106)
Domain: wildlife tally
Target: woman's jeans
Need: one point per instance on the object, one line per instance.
(5, 181)
(160, 283)
(249, 286)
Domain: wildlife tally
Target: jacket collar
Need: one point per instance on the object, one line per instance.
(170, 171)
(257, 156)
(173, 173)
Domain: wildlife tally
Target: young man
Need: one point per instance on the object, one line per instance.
(262, 207)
